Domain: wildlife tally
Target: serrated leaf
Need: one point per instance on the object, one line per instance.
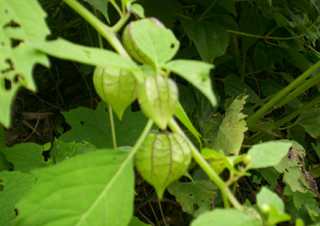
(272, 205)
(93, 126)
(197, 73)
(268, 154)
(210, 38)
(226, 217)
(18, 30)
(89, 189)
(25, 157)
(231, 131)
(162, 159)
(116, 87)
(195, 197)
(158, 98)
(13, 186)
(150, 42)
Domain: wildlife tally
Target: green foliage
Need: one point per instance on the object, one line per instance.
(255, 123)
(105, 194)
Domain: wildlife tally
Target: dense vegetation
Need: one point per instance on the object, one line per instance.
(172, 112)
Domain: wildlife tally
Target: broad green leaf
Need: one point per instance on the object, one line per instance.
(226, 217)
(136, 222)
(272, 205)
(101, 6)
(162, 159)
(186, 121)
(231, 131)
(116, 87)
(25, 157)
(197, 73)
(268, 154)
(93, 126)
(64, 150)
(150, 42)
(194, 197)
(19, 29)
(13, 186)
(158, 98)
(210, 38)
(310, 121)
(96, 188)
(66, 50)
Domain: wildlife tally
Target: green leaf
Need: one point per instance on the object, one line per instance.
(25, 157)
(195, 197)
(66, 50)
(137, 10)
(186, 121)
(93, 126)
(210, 38)
(64, 150)
(136, 222)
(101, 5)
(13, 186)
(116, 87)
(158, 98)
(268, 154)
(197, 73)
(310, 121)
(272, 205)
(226, 217)
(217, 159)
(231, 131)
(89, 189)
(162, 159)
(19, 29)
(150, 42)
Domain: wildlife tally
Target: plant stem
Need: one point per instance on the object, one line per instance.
(113, 128)
(104, 30)
(225, 191)
(266, 37)
(265, 109)
(123, 20)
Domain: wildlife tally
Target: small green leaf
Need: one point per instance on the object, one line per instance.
(162, 159)
(197, 73)
(210, 38)
(115, 86)
(226, 217)
(13, 186)
(268, 154)
(137, 10)
(150, 42)
(217, 159)
(272, 205)
(66, 50)
(25, 157)
(158, 97)
(195, 197)
(231, 131)
(101, 5)
(186, 121)
(86, 190)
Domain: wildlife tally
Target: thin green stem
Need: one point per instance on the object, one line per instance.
(113, 128)
(225, 191)
(123, 20)
(300, 90)
(267, 107)
(104, 30)
(266, 37)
